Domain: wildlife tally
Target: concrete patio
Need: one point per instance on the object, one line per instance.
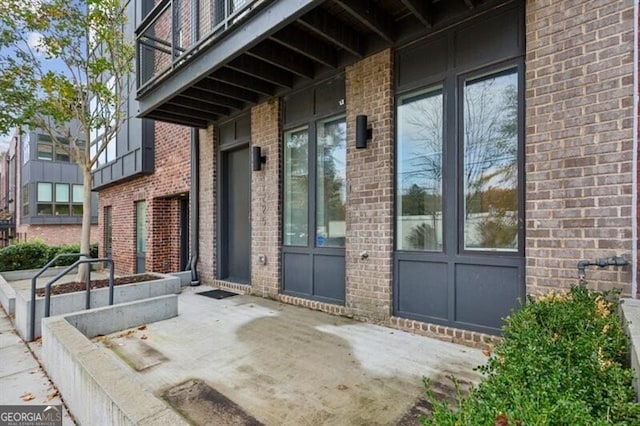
(283, 365)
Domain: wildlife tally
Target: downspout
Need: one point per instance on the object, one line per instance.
(634, 165)
(195, 195)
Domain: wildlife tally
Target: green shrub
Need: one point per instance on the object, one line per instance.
(562, 361)
(64, 249)
(36, 254)
(27, 255)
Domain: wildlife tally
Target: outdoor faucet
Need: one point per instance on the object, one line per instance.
(601, 263)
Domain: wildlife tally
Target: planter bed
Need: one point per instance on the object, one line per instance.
(74, 302)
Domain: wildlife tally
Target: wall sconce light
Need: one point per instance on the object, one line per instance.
(363, 134)
(257, 158)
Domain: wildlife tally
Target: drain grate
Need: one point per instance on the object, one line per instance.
(217, 294)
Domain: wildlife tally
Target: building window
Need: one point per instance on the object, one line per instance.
(324, 142)
(56, 199)
(419, 171)
(108, 231)
(98, 134)
(26, 148)
(490, 157)
(483, 210)
(47, 150)
(25, 200)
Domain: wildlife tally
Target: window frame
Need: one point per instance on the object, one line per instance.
(311, 125)
(452, 83)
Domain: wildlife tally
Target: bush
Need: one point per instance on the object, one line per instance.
(28, 255)
(562, 361)
(36, 254)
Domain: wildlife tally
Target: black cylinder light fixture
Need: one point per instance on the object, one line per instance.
(258, 159)
(362, 132)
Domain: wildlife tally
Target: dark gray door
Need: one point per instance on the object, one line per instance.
(236, 229)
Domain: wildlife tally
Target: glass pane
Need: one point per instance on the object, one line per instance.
(78, 193)
(107, 229)
(44, 191)
(45, 152)
(62, 192)
(62, 209)
(26, 143)
(491, 162)
(45, 209)
(331, 188)
(141, 228)
(76, 210)
(419, 171)
(296, 187)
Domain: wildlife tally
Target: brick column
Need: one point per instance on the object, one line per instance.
(370, 189)
(207, 206)
(579, 119)
(266, 220)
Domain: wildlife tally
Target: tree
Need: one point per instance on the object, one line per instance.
(65, 68)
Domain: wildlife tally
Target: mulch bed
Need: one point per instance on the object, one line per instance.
(81, 286)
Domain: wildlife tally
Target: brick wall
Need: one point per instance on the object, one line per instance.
(265, 200)
(579, 118)
(370, 189)
(160, 190)
(55, 234)
(208, 206)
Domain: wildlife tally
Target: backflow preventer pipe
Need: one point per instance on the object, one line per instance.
(601, 263)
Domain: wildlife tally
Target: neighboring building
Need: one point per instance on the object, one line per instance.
(41, 192)
(144, 206)
(501, 150)
(143, 179)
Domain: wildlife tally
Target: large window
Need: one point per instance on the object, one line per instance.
(490, 132)
(419, 171)
(59, 199)
(480, 208)
(47, 150)
(296, 187)
(315, 172)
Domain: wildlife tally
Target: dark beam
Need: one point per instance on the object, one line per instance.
(420, 9)
(199, 105)
(262, 70)
(369, 15)
(170, 118)
(328, 27)
(212, 98)
(215, 86)
(235, 78)
(272, 53)
(471, 4)
(308, 46)
(187, 112)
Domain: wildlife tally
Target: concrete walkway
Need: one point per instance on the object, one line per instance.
(286, 365)
(22, 380)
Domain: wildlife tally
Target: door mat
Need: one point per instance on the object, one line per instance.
(217, 294)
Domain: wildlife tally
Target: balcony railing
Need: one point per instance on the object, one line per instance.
(175, 30)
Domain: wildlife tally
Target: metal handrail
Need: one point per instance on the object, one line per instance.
(32, 313)
(47, 288)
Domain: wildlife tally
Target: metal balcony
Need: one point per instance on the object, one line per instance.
(200, 60)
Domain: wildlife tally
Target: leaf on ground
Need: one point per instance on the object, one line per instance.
(27, 396)
(126, 333)
(144, 337)
(51, 396)
(142, 327)
(343, 387)
(486, 352)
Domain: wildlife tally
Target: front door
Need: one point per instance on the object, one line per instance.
(236, 216)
